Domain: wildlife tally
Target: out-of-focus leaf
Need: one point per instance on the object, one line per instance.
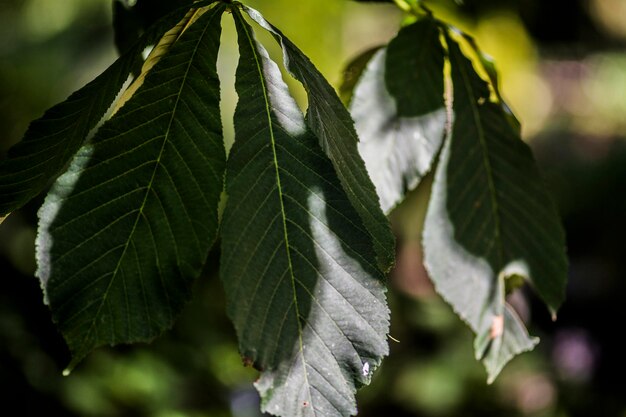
(331, 123)
(303, 287)
(352, 73)
(399, 111)
(132, 17)
(489, 219)
(126, 230)
(126, 25)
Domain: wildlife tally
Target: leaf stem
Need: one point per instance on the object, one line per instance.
(403, 5)
(414, 7)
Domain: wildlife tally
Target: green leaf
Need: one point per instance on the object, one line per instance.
(399, 111)
(51, 141)
(353, 72)
(330, 121)
(303, 289)
(414, 69)
(489, 66)
(489, 219)
(124, 233)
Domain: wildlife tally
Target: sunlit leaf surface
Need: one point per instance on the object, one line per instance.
(126, 230)
(490, 220)
(299, 269)
(330, 121)
(399, 111)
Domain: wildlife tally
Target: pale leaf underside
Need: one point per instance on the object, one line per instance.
(126, 230)
(331, 123)
(490, 218)
(399, 111)
(301, 280)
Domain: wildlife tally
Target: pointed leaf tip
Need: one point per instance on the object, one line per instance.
(125, 231)
(477, 233)
(303, 289)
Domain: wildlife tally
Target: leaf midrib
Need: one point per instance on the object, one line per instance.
(359, 196)
(243, 24)
(487, 163)
(157, 164)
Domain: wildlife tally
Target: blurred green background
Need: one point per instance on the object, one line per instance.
(563, 66)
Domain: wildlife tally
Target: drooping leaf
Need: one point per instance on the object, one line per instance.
(330, 121)
(125, 231)
(489, 220)
(415, 58)
(489, 66)
(51, 141)
(399, 111)
(303, 289)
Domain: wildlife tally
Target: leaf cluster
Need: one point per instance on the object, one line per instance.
(137, 170)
